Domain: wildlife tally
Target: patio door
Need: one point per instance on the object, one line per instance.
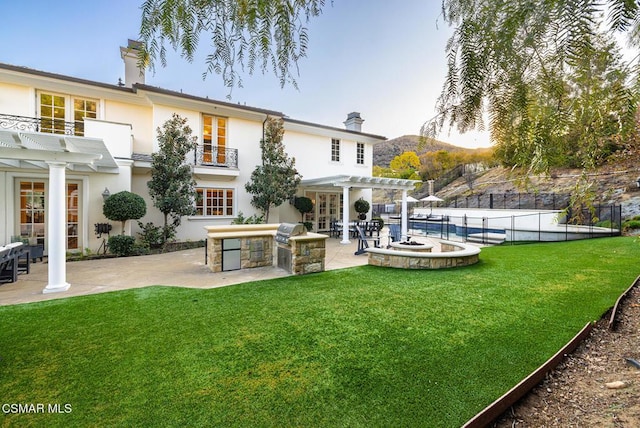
(327, 206)
(32, 224)
(33, 199)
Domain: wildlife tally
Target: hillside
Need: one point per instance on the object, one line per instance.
(611, 184)
(384, 152)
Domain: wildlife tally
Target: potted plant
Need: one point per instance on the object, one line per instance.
(362, 208)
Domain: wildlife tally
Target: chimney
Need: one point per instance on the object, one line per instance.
(354, 122)
(132, 74)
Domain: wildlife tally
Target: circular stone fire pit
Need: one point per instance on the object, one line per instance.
(411, 246)
(411, 256)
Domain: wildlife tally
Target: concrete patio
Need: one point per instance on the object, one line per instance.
(182, 269)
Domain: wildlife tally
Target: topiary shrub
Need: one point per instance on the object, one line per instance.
(362, 208)
(304, 205)
(124, 206)
(122, 245)
(380, 222)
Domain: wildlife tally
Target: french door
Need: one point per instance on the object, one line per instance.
(33, 195)
(326, 207)
(214, 138)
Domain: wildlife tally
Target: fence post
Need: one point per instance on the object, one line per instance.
(464, 224)
(539, 226)
(491, 201)
(485, 232)
(513, 228)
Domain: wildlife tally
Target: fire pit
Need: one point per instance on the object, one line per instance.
(411, 246)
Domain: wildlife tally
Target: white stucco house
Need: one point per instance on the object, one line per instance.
(64, 141)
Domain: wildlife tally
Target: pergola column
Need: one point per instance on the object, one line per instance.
(345, 215)
(403, 218)
(56, 229)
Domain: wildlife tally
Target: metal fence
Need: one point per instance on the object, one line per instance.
(511, 200)
(600, 221)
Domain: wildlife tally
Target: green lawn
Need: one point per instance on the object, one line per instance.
(363, 346)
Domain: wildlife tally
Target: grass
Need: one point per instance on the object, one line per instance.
(362, 346)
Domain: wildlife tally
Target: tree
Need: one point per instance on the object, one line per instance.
(172, 186)
(276, 179)
(252, 33)
(506, 59)
(303, 205)
(538, 69)
(434, 164)
(123, 206)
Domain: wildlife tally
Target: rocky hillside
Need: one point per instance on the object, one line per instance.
(384, 152)
(612, 184)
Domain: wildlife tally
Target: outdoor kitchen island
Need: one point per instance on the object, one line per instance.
(245, 246)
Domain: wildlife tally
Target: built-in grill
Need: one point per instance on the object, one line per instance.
(287, 230)
(284, 232)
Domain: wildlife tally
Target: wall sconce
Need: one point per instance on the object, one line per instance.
(106, 194)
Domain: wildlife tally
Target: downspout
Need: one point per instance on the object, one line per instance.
(264, 122)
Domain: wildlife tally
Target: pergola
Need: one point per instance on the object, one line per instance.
(348, 182)
(56, 153)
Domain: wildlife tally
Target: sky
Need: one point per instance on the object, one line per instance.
(384, 59)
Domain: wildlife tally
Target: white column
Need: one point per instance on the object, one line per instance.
(345, 215)
(403, 218)
(56, 229)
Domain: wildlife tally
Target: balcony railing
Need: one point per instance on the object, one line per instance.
(216, 156)
(34, 124)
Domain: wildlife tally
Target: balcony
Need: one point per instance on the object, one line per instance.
(218, 163)
(220, 157)
(34, 124)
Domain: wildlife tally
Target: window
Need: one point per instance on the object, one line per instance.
(58, 110)
(335, 150)
(82, 109)
(52, 113)
(214, 202)
(360, 153)
(214, 138)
